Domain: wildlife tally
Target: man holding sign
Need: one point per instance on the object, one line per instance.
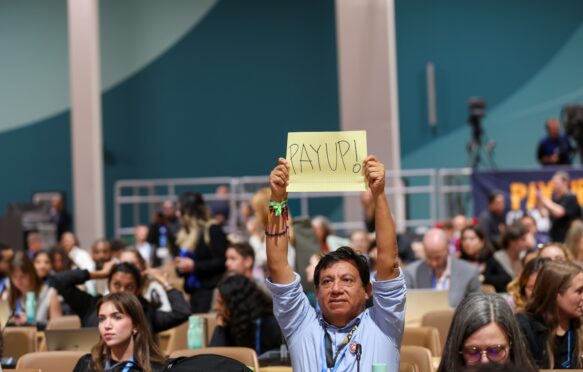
(343, 336)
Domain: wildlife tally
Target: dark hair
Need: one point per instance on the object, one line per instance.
(475, 312)
(512, 233)
(245, 303)
(192, 205)
(496, 367)
(244, 249)
(128, 268)
(4, 246)
(343, 254)
(494, 194)
(58, 250)
(145, 349)
(117, 245)
(484, 253)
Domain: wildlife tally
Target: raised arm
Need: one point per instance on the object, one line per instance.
(387, 266)
(276, 232)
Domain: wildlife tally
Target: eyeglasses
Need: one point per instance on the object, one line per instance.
(494, 353)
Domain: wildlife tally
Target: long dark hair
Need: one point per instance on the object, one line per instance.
(484, 253)
(475, 312)
(145, 350)
(24, 264)
(245, 303)
(554, 278)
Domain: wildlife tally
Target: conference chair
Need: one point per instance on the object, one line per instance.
(403, 367)
(21, 370)
(65, 322)
(50, 361)
(440, 319)
(174, 339)
(244, 355)
(19, 341)
(427, 337)
(418, 356)
(277, 369)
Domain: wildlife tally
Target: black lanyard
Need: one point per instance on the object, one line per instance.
(330, 357)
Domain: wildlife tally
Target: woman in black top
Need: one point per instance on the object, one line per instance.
(123, 277)
(551, 320)
(125, 342)
(245, 316)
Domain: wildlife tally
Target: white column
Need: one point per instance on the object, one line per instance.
(87, 148)
(367, 67)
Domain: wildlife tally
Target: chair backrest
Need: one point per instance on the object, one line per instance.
(245, 355)
(21, 370)
(487, 288)
(50, 361)
(418, 356)
(19, 341)
(276, 369)
(423, 336)
(403, 367)
(440, 319)
(65, 322)
(174, 339)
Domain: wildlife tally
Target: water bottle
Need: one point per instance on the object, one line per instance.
(379, 367)
(30, 307)
(163, 239)
(195, 332)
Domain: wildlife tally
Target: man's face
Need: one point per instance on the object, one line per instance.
(553, 128)
(560, 185)
(68, 241)
(101, 252)
(436, 253)
(498, 205)
(235, 263)
(341, 293)
(141, 234)
(360, 242)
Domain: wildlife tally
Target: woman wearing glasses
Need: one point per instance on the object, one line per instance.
(551, 320)
(484, 330)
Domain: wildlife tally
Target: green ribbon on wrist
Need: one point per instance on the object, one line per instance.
(278, 208)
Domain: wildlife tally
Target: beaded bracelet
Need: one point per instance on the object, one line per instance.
(279, 233)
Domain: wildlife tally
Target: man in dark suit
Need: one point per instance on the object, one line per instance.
(441, 271)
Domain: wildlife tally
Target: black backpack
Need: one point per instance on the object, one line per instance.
(205, 363)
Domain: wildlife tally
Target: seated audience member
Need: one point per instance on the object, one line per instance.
(555, 251)
(34, 244)
(520, 289)
(6, 254)
(531, 225)
(563, 206)
(59, 259)
(360, 242)
(125, 342)
(80, 258)
(23, 279)
(475, 248)
(342, 285)
(240, 258)
(123, 277)
(100, 254)
(146, 249)
(202, 243)
(441, 271)
(529, 255)
(244, 316)
(555, 148)
(42, 265)
(574, 241)
(506, 264)
(152, 290)
(328, 241)
(551, 321)
(491, 220)
(484, 330)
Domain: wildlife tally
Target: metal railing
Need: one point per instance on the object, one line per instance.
(438, 186)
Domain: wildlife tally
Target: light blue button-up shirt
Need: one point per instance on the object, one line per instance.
(379, 332)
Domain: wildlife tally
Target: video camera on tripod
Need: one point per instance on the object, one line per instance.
(572, 119)
(477, 108)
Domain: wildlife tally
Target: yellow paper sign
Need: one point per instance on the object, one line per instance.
(326, 161)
